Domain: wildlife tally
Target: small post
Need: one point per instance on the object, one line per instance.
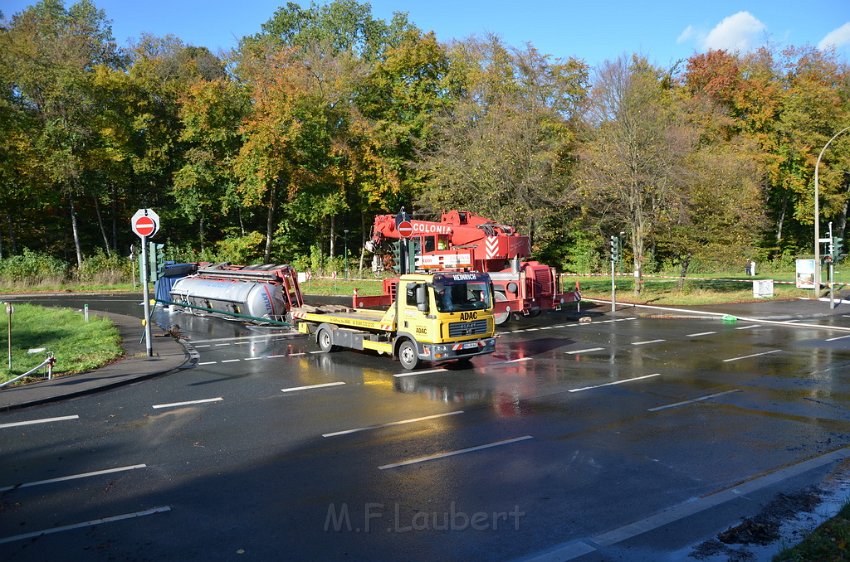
(9, 310)
(86, 312)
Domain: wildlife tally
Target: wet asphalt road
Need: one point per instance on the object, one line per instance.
(268, 450)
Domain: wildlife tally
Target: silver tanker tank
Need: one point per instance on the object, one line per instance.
(244, 292)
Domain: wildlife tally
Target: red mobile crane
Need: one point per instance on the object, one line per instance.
(464, 241)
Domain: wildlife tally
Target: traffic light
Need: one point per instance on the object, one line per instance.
(156, 261)
(397, 256)
(836, 248)
(615, 248)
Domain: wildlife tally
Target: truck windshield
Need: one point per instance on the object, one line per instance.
(462, 296)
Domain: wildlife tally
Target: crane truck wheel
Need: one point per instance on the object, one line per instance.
(324, 338)
(407, 355)
(501, 317)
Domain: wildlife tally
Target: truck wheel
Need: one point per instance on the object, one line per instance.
(325, 340)
(407, 355)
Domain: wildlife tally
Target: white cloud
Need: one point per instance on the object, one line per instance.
(686, 34)
(836, 38)
(738, 32)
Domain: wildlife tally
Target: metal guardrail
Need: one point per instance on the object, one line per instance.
(49, 361)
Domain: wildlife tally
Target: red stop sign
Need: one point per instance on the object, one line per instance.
(405, 229)
(144, 226)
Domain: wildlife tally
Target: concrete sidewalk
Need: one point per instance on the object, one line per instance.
(168, 355)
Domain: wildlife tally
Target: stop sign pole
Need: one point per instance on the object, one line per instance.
(145, 224)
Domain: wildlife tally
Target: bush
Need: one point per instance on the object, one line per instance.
(105, 270)
(33, 269)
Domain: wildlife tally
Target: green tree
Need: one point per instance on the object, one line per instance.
(48, 53)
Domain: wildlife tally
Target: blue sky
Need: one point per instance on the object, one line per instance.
(663, 31)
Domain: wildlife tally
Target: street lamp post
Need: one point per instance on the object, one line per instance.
(817, 214)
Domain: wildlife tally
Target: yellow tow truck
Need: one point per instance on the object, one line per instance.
(435, 317)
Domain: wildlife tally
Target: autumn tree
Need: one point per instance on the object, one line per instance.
(633, 163)
(507, 146)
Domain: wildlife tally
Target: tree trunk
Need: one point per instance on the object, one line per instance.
(362, 242)
(102, 227)
(267, 255)
(781, 221)
(201, 234)
(686, 261)
(75, 231)
(13, 249)
(114, 202)
(333, 230)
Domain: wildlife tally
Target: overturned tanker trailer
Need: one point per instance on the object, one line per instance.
(254, 293)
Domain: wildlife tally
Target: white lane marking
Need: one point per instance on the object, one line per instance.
(222, 344)
(242, 342)
(208, 363)
(314, 352)
(205, 345)
(85, 524)
(532, 329)
(230, 360)
(274, 356)
(686, 402)
(390, 424)
(252, 358)
(310, 387)
(615, 382)
(747, 327)
(753, 355)
(453, 453)
(74, 477)
(292, 355)
(588, 350)
(698, 334)
(647, 342)
(838, 338)
(44, 420)
(188, 403)
(414, 373)
(520, 360)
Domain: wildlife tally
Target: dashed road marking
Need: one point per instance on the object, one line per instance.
(747, 327)
(647, 342)
(453, 453)
(187, 403)
(753, 355)
(511, 361)
(588, 350)
(73, 477)
(85, 524)
(390, 424)
(699, 334)
(686, 402)
(615, 382)
(34, 422)
(311, 387)
(412, 373)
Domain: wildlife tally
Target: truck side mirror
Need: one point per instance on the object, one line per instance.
(422, 298)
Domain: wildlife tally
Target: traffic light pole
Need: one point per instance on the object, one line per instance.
(613, 288)
(146, 296)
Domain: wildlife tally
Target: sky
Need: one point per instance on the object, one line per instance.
(663, 31)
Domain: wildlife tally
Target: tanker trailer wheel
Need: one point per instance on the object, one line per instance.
(501, 317)
(407, 355)
(324, 338)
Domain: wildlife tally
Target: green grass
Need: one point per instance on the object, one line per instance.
(830, 541)
(78, 345)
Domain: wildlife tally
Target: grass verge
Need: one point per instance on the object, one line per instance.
(78, 345)
(830, 541)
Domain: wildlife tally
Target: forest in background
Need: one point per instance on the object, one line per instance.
(284, 149)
